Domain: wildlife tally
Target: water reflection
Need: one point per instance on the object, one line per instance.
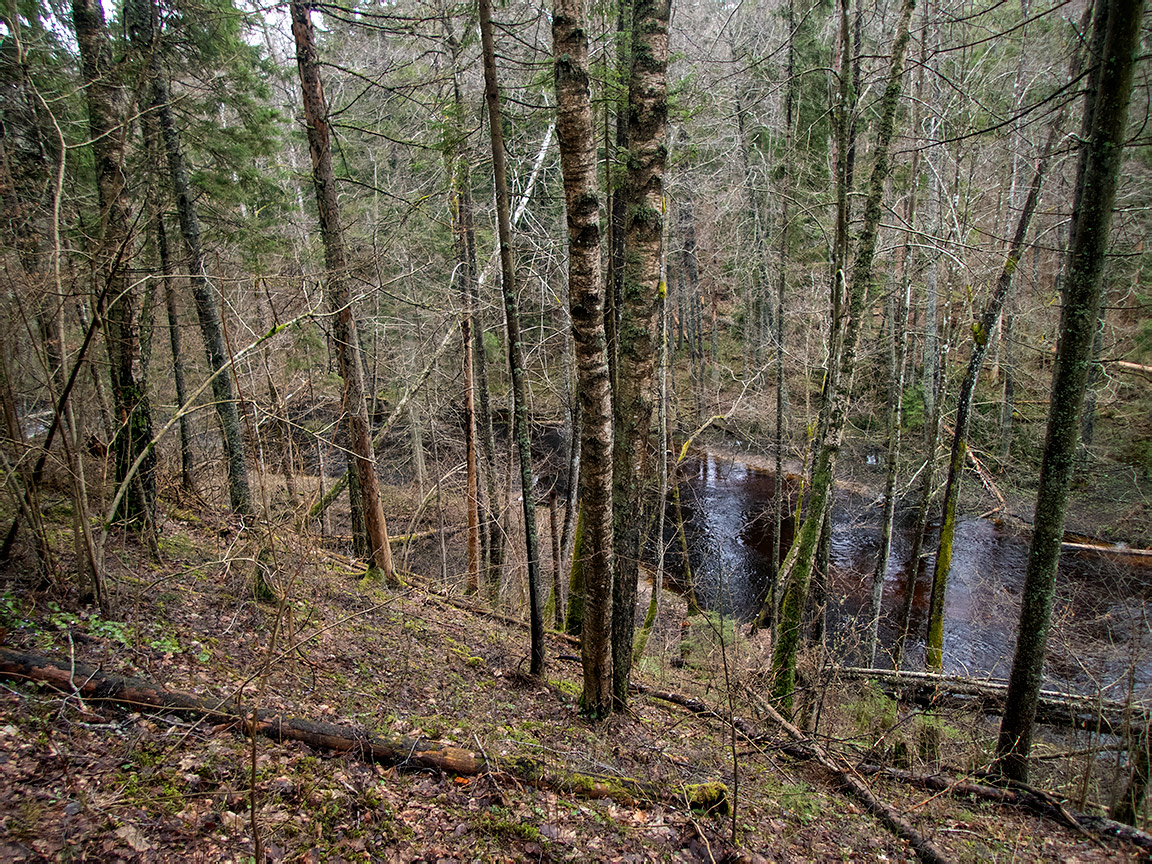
(1100, 640)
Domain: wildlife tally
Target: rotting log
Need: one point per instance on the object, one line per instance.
(1066, 710)
(401, 751)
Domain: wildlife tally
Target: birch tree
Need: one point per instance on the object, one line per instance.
(594, 546)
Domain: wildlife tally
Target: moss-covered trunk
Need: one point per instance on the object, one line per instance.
(1100, 159)
(798, 567)
(207, 310)
(983, 332)
(640, 292)
(592, 556)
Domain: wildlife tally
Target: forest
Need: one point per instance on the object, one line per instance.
(647, 430)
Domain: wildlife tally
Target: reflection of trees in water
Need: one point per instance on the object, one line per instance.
(1100, 637)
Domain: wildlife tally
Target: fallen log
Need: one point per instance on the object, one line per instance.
(1038, 801)
(491, 614)
(1067, 710)
(1042, 803)
(923, 847)
(79, 679)
(1114, 551)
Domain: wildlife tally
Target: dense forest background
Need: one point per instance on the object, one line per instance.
(247, 249)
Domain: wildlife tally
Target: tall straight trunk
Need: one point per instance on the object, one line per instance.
(573, 442)
(515, 350)
(107, 124)
(640, 293)
(464, 277)
(344, 322)
(798, 568)
(488, 506)
(493, 534)
(207, 311)
(900, 312)
(593, 555)
(617, 208)
(154, 149)
(175, 343)
(897, 352)
(1008, 406)
(782, 278)
(1100, 157)
(661, 479)
(557, 578)
(983, 333)
(460, 202)
(934, 351)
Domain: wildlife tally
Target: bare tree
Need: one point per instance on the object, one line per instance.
(798, 567)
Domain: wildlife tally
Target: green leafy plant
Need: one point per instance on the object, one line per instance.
(117, 631)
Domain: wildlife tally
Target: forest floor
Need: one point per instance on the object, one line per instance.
(90, 780)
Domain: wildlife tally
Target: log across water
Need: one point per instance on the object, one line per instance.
(1100, 637)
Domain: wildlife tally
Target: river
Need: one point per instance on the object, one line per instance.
(1100, 641)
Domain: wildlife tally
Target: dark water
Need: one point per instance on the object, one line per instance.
(1101, 636)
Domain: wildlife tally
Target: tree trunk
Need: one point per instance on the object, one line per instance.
(207, 311)
(344, 322)
(515, 350)
(640, 292)
(464, 277)
(898, 351)
(493, 533)
(460, 202)
(592, 558)
(617, 207)
(782, 278)
(1100, 159)
(557, 578)
(1127, 808)
(983, 333)
(108, 128)
(662, 480)
(1009, 404)
(798, 568)
(174, 341)
(570, 505)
